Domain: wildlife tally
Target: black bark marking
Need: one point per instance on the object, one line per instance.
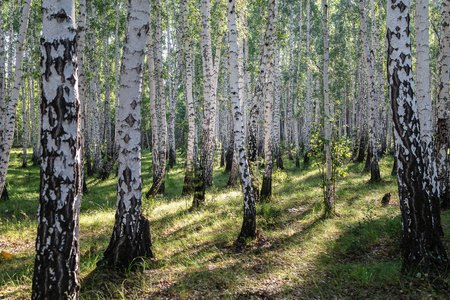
(130, 120)
(127, 138)
(127, 178)
(60, 16)
(402, 6)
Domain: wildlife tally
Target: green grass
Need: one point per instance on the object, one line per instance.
(298, 255)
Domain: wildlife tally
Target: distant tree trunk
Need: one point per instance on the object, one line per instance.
(9, 119)
(208, 105)
(56, 268)
(158, 184)
(442, 107)
(173, 93)
(290, 91)
(116, 71)
(153, 112)
(370, 67)
(276, 113)
(248, 229)
(266, 188)
(24, 128)
(329, 196)
(130, 240)
(35, 157)
(255, 111)
(108, 137)
(308, 102)
(87, 62)
(423, 93)
(422, 248)
(96, 118)
(362, 109)
(189, 176)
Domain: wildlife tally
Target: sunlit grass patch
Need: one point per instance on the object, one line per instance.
(297, 254)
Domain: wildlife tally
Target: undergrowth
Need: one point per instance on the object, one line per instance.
(297, 254)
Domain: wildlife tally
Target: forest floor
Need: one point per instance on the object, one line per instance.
(297, 255)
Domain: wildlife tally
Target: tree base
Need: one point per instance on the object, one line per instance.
(306, 159)
(107, 167)
(188, 186)
(124, 253)
(199, 191)
(279, 161)
(4, 196)
(266, 189)
(172, 161)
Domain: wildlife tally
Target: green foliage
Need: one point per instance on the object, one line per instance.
(358, 254)
(340, 151)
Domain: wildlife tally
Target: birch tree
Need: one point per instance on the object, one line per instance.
(370, 68)
(9, 117)
(329, 195)
(188, 179)
(266, 188)
(442, 107)
(248, 229)
(422, 247)
(423, 91)
(56, 268)
(131, 238)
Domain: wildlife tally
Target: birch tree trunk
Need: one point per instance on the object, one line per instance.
(422, 248)
(159, 170)
(2, 81)
(9, 120)
(369, 58)
(248, 229)
(24, 127)
(423, 92)
(442, 107)
(173, 93)
(116, 72)
(189, 177)
(208, 106)
(107, 110)
(266, 188)
(153, 108)
(254, 110)
(88, 62)
(130, 240)
(276, 112)
(308, 102)
(290, 91)
(329, 196)
(56, 268)
(35, 157)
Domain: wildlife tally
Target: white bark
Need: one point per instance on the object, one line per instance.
(107, 120)
(57, 243)
(423, 91)
(308, 100)
(116, 71)
(131, 235)
(10, 113)
(208, 101)
(329, 195)
(249, 223)
(370, 67)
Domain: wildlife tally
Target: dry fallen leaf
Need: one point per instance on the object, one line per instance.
(6, 255)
